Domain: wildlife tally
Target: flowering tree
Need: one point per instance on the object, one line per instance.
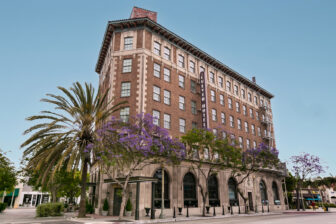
(207, 155)
(254, 160)
(126, 147)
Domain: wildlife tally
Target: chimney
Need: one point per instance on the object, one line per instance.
(254, 79)
(142, 13)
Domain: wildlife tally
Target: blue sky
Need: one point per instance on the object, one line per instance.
(288, 45)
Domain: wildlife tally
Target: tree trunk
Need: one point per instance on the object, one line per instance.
(204, 202)
(53, 193)
(123, 202)
(82, 204)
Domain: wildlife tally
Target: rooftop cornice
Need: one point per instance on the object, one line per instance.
(177, 40)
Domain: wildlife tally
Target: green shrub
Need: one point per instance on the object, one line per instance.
(128, 205)
(106, 205)
(49, 209)
(89, 208)
(2, 207)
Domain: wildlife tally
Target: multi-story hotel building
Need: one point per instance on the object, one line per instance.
(160, 73)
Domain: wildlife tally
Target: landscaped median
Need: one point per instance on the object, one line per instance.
(49, 209)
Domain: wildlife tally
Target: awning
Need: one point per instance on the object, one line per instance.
(132, 180)
(9, 194)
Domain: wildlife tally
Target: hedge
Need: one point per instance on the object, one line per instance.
(2, 207)
(49, 209)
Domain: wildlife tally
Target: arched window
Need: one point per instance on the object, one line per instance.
(189, 190)
(213, 191)
(233, 196)
(158, 189)
(263, 193)
(275, 193)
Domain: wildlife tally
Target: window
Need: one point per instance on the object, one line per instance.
(224, 135)
(228, 86)
(233, 141)
(248, 143)
(124, 114)
(261, 102)
(240, 140)
(212, 95)
(166, 74)
(212, 77)
(237, 107)
(125, 89)
(180, 61)
(166, 53)
(182, 125)
(242, 92)
(181, 102)
(193, 107)
(259, 131)
(249, 97)
(255, 100)
(263, 193)
(206, 153)
(128, 43)
(221, 99)
(127, 65)
(233, 194)
(213, 190)
(253, 129)
(251, 113)
(157, 48)
(156, 117)
(275, 193)
(220, 81)
(189, 190)
(156, 93)
(257, 115)
(244, 110)
(201, 69)
(181, 81)
(246, 127)
(193, 86)
(214, 131)
(239, 124)
(214, 114)
(223, 120)
(158, 189)
(193, 124)
(166, 97)
(235, 88)
(254, 144)
(192, 66)
(231, 122)
(166, 121)
(157, 70)
(230, 103)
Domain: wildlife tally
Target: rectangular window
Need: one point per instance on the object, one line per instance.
(156, 117)
(253, 129)
(166, 74)
(255, 100)
(261, 102)
(242, 92)
(193, 107)
(220, 81)
(124, 114)
(181, 81)
(237, 107)
(228, 86)
(157, 70)
(181, 102)
(239, 124)
(240, 140)
(128, 43)
(193, 86)
(244, 110)
(166, 121)
(221, 99)
(156, 93)
(192, 66)
(214, 131)
(212, 77)
(254, 144)
(231, 122)
(223, 120)
(230, 103)
(125, 89)
(249, 97)
(251, 113)
(212, 95)
(224, 135)
(247, 143)
(166, 53)
(166, 97)
(182, 125)
(214, 114)
(180, 61)
(193, 124)
(127, 65)
(246, 127)
(259, 131)
(157, 48)
(236, 90)
(257, 115)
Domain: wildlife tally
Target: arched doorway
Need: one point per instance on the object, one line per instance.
(263, 193)
(233, 195)
(213, 191)
(158, 189)
(189, 190)
(275, 193)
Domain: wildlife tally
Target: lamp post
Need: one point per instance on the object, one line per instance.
(162, 192)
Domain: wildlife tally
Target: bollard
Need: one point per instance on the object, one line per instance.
(223, 210)
(187, 210)
(180, 210)
(214, 211)
(238, 209)
(231, 209)
(268, 208)
(256, 208)
(174, 214)
(262, 207)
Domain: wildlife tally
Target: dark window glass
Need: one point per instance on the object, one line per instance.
(189, 190)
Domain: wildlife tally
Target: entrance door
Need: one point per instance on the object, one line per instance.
(116, 201)
(38, 200)
(250, 201)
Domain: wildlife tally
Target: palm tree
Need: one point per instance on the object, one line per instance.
(63, 137)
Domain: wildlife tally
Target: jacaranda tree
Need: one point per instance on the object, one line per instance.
(129, 146)
(60, 138)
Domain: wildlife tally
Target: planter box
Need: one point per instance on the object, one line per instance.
(104, 213)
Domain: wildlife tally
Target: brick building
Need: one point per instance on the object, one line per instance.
(160, 73)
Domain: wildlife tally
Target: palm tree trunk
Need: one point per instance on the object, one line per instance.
(82, 204)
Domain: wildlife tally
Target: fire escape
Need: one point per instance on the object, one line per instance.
(266, 120)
